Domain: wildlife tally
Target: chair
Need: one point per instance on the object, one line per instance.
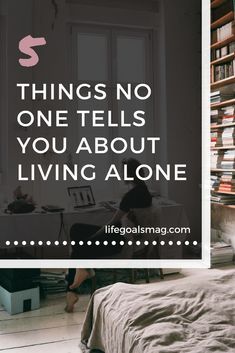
(145, 217)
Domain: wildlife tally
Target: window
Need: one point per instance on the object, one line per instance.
(111, 55)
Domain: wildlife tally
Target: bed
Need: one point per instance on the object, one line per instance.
(195, 314)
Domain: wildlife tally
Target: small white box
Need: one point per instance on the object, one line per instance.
(20, 301)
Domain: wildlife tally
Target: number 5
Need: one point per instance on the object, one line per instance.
(25, 46)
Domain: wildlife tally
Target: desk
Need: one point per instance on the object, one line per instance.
(46, 227)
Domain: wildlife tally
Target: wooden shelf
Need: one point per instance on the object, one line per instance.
(217, 3)
(221, 83)
(223, 20)
(222, 205)
(227, 85)
(223, 148)
(223, 104)
(222, 170)
(222, 126)
(223, 59)
(224, 42)
(224, 192)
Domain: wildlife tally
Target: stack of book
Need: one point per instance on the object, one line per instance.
(221, 252)
(51, 282)
(223, 32)
(223, 116)
(226, 137)
(223, 199)
(215, 180)
(223, 138)
(218, 96)
(216, 117)
(228, 116)
(223, 159)
(226, 160)
(215, 135)
(224, 70)
(227, 183)
(216, 159)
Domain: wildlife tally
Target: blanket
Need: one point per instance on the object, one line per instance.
(189, 315)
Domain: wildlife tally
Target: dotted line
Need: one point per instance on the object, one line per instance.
(105, 243)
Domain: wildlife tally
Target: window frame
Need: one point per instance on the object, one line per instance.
(150, 37)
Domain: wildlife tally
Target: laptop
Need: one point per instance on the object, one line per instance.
(81, 196)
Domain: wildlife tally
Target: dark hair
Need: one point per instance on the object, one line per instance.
(132, 165)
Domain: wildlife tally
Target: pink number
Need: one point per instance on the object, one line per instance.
(25, 46)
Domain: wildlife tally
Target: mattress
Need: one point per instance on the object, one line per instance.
(190, 315)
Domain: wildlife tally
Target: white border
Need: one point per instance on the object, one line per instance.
(206, 217)
(105, 263)
(206, 210)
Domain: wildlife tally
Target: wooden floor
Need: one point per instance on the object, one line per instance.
(45, 330)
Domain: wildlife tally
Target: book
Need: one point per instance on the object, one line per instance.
(218, 96)
(52, 282)
(224, 70)
(221, 252)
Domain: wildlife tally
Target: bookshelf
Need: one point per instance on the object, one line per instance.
(224, 192)
(223, 148)
(223, 104)
(223, 42)
(223, 20)
(215, 204)
(223, 59)
(222, 68)
(223, 82)
(222, 125)
(222, 170)
(217, 3)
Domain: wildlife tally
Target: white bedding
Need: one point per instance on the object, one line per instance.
(190, 315)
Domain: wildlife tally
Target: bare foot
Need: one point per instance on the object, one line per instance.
(81, 275)
(71, 299)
